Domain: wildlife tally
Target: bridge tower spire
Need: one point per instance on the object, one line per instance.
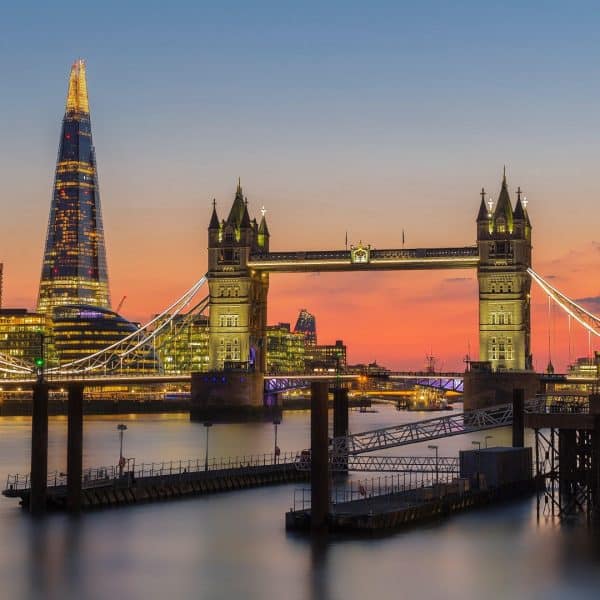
(504, 241)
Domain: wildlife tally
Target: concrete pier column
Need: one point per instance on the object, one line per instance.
(74, 446)
(319, 460)
(518, 428)
(340, 412)
(340, 424)
(39, 449)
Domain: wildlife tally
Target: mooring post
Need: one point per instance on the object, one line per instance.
(319, 458)
(74, 446)
(518, 428)
(340, 425)
(39, 449)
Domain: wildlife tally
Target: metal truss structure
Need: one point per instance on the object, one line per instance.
(567, 488)
(387, 464)
(138, 343)
(447, 382)
(9, 365)
(428, 429)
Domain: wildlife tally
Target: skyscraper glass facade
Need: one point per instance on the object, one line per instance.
(74, 266)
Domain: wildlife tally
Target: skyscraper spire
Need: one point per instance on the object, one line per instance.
(77, 96)
(74, 265)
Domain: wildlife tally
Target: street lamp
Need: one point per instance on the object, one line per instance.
(207, 424)
(488, 437)
(437, 472)
(121, 428)
(276, 451)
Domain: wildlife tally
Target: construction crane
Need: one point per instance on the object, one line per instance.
(120, 304)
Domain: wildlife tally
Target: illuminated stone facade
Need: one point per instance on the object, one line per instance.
(238, 294)
(504, 241)
(74, 265)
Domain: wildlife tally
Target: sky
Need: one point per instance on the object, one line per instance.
(362, 117)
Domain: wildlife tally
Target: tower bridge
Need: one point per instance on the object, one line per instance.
(240, 263)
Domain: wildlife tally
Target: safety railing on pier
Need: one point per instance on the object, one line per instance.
(383, 488)
(96, 476)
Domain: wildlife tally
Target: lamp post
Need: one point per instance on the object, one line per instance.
(437, 471)
(208, 425)
(121, 428)
(488, 437)
(276, 451)
(478, 444)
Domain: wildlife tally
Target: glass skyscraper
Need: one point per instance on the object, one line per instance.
(74, 268)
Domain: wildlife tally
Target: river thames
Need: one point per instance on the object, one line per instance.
(235, 545)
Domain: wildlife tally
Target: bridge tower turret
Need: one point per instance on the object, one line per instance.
(238, 295)
(504, 241)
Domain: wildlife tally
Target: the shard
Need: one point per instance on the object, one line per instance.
(74, 268)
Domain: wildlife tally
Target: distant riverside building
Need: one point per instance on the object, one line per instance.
(327, 357)
(182, 346)
(586, 366)
(80, 331)
(307, 324)
(74, 265)
(286, 350)
(21, 334)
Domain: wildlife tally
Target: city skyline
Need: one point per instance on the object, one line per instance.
(362, 164)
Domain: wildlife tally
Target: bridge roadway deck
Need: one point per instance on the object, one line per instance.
(378, 260)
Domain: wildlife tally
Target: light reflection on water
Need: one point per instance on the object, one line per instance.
(235, 545)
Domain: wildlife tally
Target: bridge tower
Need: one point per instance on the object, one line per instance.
(238, 312)
(504, 241)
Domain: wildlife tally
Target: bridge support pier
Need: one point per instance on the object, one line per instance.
(39, 449)
(340, 424)
(319, 460)
(74, 446)
(518, 424)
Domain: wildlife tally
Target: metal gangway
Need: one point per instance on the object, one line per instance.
(429, 429)
(385, 464)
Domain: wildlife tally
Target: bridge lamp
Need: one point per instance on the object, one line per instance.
(208, 425)
(437, 472)
(121, 429)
